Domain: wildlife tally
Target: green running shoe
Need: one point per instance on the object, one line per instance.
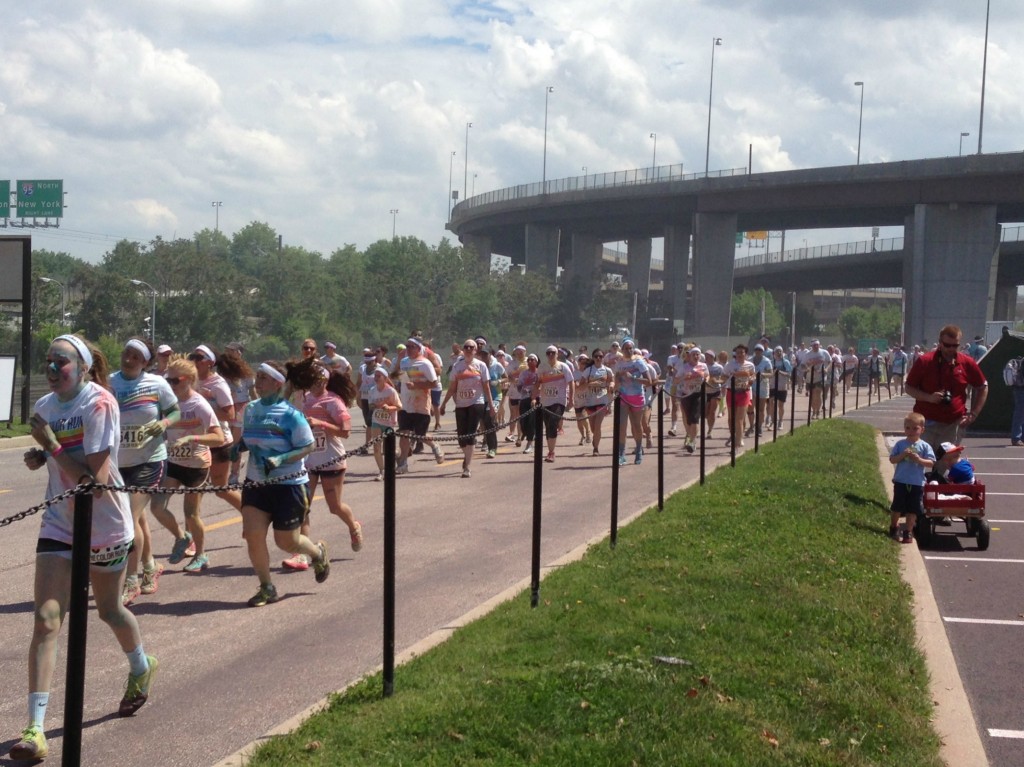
(265, 596)
(137, 689)
(322, 565)
(31, 747)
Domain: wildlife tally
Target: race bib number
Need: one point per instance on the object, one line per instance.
(551, 391)
(382, 415)
(466, 394)
(320, 439)
(691, 385)
(131, 438)
(180, 452)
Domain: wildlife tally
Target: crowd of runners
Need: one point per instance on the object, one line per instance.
(190, 420)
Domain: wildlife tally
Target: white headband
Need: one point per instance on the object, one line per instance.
(83, 351)
(137, 345)
(206, 352)
(277, 375)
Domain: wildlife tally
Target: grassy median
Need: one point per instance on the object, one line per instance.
(759, 620)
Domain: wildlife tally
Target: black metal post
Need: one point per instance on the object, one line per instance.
(831, 388)
(616, 438)
(757, 411)
(389, 563)
(661, 449)
(538, 485)
(844, 391)
(792, 406)
(732, 422)
(703, 424)
(775, 407)
(78, 622)
(810, 394)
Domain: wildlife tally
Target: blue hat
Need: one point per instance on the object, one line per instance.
(962, 472)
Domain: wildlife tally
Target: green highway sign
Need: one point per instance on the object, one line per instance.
(5, 199)
(40, 199)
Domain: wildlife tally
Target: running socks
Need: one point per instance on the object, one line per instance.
(138, 661)
(37, 703)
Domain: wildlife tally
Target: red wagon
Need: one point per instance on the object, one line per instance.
(965, 502)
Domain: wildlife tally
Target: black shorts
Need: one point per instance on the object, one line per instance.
(286, 504)
(364, 405)
(221, 454)
(143, 474)
(115, 557)
(417, 423)
(466, 421)
(552, 417)
(326, 473)
(187, 475)
(579, 411)
(907, 499)
(780, 394)
(691, 408)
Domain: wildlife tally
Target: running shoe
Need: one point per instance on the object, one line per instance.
(908, 537)
(582, 440)
(549, 458)
(180, 549)
(586, 440)
(895, 534)
(510, 438)
(622, 459)
(466, 474)
(31, 747)
(672, 432)
(596, 452)
(137, 689)
(379, 477)
(418, 448)
(149, 579)
(650, 445)
(197, 564)
(191, 550)
(402, 468)
(519, 443)
(528, 449)
(638, 455)
(689, 446)
(131, 590)
(322, 565)
(492, 453)
(298, 562)
(267, 595)
(357, 537)
(438, 453)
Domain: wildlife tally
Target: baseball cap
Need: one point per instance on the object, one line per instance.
(947, 448)
(552, 348)
(330, 345)
(164, 349)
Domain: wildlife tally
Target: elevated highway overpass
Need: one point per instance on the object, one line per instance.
(950, 208)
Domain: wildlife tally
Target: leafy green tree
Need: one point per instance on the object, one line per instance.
(745, 319)
(875, 322)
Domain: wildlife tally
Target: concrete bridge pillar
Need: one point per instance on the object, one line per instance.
(1005, 305)
(677, 268)
(542, 249)
(479, 244)
(940, 242)
(585, 265)
(638, 266)
(714, 253)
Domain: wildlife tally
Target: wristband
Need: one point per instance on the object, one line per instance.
(56, 451)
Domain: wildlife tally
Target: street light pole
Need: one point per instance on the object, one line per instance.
(654, 155)
(216, 221)
(465, 173)
(860, 120)
(715, 41)
(152, 313)
(963, 135)
(61, 286)
(984, 69)
(544, 169)
(394, 219)
(451, 164)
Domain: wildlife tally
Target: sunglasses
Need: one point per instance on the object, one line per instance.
(309, 348)
(950, 346)
(174, 381)
(469, 348)
(194, 357)
(598, 356)
(551, 352)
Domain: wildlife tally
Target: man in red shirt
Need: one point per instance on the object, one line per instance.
(939, 381)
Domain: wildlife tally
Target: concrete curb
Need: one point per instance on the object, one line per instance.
(11, 443)
(953, 719)
(241, 758)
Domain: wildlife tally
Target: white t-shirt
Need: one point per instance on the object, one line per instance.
(554, 383)
(380, 416)
(337, 362)
(743, 374)
(196, 418)
(218, 394)
(470, 380)
(419, 370)
(603, 377)
(88, 424)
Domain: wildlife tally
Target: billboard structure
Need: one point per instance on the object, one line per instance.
(38, 203)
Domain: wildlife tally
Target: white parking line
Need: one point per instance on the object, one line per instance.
(1018, 734)
(975, 559)
(1005, 521)
(1013, 495)
(986, 621)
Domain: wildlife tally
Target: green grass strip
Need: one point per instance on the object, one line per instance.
(775, 581)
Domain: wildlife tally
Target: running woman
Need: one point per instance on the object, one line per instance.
(326, 408)
(597, 380)
(236, 371)
(739, 373)
(690, 376)
(364, 384)
(334, 361)
(580, 396)
(78, 427)
(384, 406)
(188, 465)
(279, 438)
(716, 377)
(470, 387)
(516, 365)
(556, 388)
(148, 407)
(418, 378)
(631, 375)
(217, 392)
(527, 397)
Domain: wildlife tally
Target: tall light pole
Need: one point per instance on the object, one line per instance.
(548, 89)
(451, 164)
(394, 219)
(984, 68)
(465, 173)
(860, 120)
(61, 285)
(654, 154)
(216, 221)
(963, 135)
(152, 313)
(715, 42)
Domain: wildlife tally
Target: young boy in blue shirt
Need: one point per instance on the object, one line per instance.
(911, 456)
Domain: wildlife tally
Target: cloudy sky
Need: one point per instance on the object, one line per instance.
(320, 118)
